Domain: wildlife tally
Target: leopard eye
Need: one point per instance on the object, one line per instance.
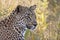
(28, 18)
(26, 15)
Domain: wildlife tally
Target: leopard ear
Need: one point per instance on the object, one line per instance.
(18, 8)
(33, 7)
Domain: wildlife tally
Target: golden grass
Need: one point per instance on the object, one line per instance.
(41, 11)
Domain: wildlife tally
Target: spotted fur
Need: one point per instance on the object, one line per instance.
(14, 27)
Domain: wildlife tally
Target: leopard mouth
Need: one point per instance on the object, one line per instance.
(31, 27)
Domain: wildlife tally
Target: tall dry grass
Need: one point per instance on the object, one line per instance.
(47, 13)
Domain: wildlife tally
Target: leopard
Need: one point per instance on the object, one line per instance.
(15, 25)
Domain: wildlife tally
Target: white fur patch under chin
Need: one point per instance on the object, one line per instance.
(23, 33)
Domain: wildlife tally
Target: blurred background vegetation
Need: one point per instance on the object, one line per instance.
(47, 13)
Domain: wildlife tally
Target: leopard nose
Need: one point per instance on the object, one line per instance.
(35, 24)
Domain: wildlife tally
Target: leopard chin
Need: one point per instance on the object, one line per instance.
(31, 27)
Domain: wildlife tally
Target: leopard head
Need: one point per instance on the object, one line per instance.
(26, 16)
